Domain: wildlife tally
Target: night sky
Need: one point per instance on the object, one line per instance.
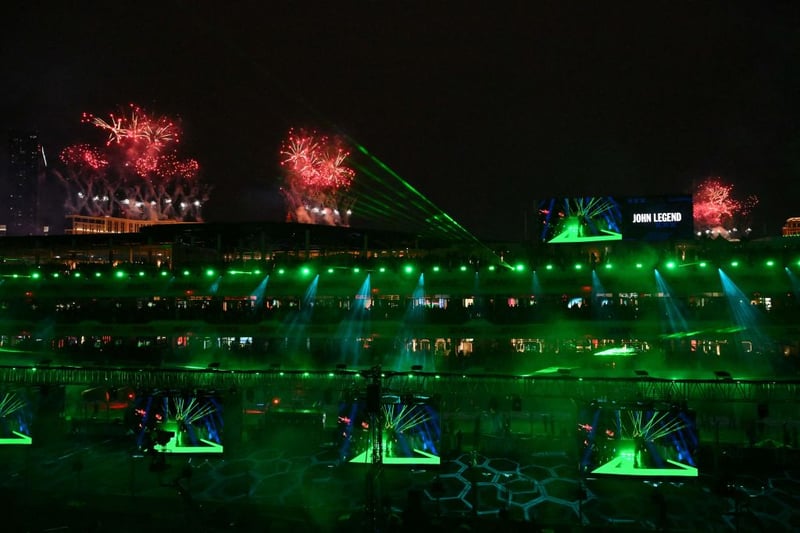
(481, 110)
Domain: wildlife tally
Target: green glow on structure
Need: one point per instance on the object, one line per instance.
(20, 438)
(623, 465)
(571, 236)
(419, 457)
(623, 351)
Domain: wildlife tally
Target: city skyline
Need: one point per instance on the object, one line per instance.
(482, 113)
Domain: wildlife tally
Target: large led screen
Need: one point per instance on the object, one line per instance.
(565, 220)
(637, 440)
(16, 417)
(405, 430)
(580, 219)
(658, 218)
(178, 422)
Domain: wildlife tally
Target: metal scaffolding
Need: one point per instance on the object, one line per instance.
(453, 389)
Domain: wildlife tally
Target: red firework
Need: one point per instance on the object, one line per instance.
(83, 154)
(316, 178)
(137, 128)
(135, 173)
(316, 162)
(715, 206)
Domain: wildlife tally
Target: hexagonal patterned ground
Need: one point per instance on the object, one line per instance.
(317, 492)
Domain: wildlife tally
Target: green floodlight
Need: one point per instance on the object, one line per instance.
(164, 273)
(436, 268)
(210, 273)
(492, 268)
(119, 274)
(770, 263)
(519, 267)
(578, 266)
(330, 270)
(55, 275)
(141, 273)
(670, 265)
(549, 266)
(76, 275)
(408, 269)
(257, 272)
(608, 266)
(463, 268)
(186, 273)
(382, 269)
(356, 270)
(305, 271)
(703, 264)
(734, 263)
(98, 274)
(36, 275)
(281, 271)
(639, 265)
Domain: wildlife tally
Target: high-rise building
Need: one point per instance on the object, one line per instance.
(25, 173)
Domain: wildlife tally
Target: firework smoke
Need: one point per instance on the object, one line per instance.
(135, 173)
(316, 180)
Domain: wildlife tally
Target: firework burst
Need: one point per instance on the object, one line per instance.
(316, 179)
(137, 127)
(716, 209)
(136, 173)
